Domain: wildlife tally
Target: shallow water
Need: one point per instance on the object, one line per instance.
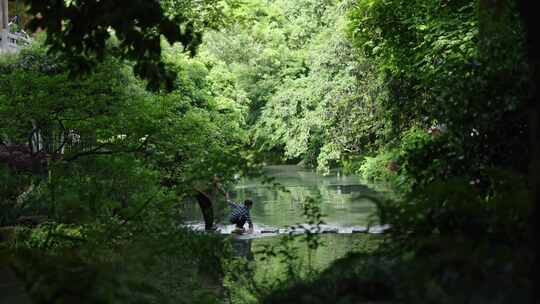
(266, 270)
(333, 246)
(343, 202)
(342, 199)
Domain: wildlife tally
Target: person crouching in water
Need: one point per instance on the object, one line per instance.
(240, 215)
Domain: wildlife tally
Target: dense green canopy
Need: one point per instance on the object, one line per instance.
(426, 101)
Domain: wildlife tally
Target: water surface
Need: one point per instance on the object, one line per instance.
(342, 199)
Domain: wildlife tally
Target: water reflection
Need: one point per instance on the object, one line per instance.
(334, 246)
(341, 198)
(243, 248)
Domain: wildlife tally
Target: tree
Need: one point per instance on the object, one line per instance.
(82, 30)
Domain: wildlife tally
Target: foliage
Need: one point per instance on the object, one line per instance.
(448, 272)
(437, 107)
(456, 207)
(358, 277)
(321, 102)
(446, 244)
(81, 32)
(447, 221)
(376, 170)
(450, 112)
(423, 97)
(301, 67)
(117, 161)
(114, 131)
(421, 158)
(443, 63)
(12, 189)
(301, 116)
(204, 15)
(157, 264)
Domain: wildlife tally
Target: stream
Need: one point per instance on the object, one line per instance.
(343, 201)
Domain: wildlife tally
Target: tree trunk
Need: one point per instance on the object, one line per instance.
(4, 14)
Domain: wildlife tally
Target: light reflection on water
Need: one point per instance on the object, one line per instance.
(334, 246)
(342, 198)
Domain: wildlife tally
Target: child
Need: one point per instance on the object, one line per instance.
(239, 213)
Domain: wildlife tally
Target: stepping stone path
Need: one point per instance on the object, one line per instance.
(260, 230)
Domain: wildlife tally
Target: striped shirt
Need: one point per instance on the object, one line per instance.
(239, 212)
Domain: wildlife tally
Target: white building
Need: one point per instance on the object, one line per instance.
(10, 42)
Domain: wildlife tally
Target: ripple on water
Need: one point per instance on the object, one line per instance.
(343, 199)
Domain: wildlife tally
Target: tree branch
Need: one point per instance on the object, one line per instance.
(144, 205)
(96, 151)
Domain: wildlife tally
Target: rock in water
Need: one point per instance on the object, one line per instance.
(330, 230)
(269, 230)
(378, 229)
(360, 229)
